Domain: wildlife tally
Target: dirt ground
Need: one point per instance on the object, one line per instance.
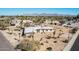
(53, 40)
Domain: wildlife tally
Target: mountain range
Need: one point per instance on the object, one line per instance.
(45, 14)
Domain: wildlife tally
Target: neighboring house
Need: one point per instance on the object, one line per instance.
(47, 21)
(38, 29)
(55, 22)
(15, 22)
(27, 23)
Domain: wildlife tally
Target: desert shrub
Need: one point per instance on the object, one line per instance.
(73, 30)
(27, 45)
(51, 23)
(68, 24)
(17, 29)
(3, 24)
(55, 23)
(65, 41)
(49, 48)
(15, 38)
(55, 41)
(58, 36)
(9, 33)
(1, 28)
(29, 36)
(48, 37)
(46, 41)
(41, 39)
(54, 37)
(41, 43)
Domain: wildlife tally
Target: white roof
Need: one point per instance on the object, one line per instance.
(29, 30)
(27, 21)
(32, 29)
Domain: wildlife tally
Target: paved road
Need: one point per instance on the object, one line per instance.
(4, 44)
(75, 47)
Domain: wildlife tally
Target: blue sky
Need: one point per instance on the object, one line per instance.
(21, 11)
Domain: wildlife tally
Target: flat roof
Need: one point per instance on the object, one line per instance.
(32, 29)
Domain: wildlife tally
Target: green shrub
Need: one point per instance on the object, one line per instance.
(27, 45)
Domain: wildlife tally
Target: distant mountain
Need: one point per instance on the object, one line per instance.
(45, 14)
(42, 14)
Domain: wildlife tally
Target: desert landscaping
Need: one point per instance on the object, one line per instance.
(28, 35)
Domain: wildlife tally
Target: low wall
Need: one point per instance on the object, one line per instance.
(71, 42)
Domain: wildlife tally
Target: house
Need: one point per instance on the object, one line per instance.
(37, 29)
(47, 21)
(27, 23)
(55, 22)
(15, 22)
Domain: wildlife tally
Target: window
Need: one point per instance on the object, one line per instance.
(38, 30)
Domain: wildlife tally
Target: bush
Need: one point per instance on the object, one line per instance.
(2, 28)
(42, 44)
(65, 41)
(41, 39)
(17, 29)
(46, 41)
(49, 48)
(55, 41)
(73, 30)
(27, 45)
(48, 37)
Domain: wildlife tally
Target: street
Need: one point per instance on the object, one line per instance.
(4, 44)
(75, 46)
